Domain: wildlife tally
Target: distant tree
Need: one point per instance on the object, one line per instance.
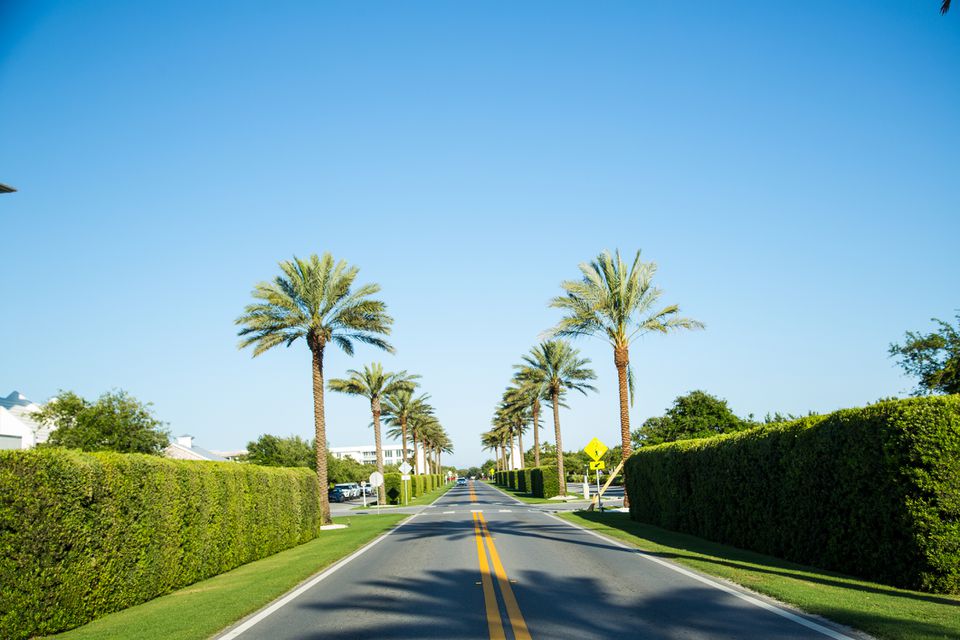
(116, 421)
(274, 451)
(933, 358)
(694, 415)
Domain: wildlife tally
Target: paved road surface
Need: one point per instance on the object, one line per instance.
(479, 565)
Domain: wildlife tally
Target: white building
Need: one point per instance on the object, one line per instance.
(367, 454)
(182, 448)
(18, 430)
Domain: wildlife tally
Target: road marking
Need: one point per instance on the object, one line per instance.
(494, 624)
(285, 600)
(476, 510)
(448, 512)
(517, 622)
(473, 494)
(504, 511)
(830, 633)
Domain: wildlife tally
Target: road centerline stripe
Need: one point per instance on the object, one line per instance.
(491, 607)
(517, 622)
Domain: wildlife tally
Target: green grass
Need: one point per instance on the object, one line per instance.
(881, 610)
(526, 497)
(427, 498)
(204, 608)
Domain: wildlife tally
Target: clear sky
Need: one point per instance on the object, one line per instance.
(791, 167)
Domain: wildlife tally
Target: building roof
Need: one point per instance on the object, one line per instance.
(21, 406)
(194, 453)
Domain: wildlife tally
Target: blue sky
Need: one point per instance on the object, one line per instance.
(792, 168)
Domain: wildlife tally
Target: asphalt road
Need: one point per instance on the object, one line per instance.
(477, 564)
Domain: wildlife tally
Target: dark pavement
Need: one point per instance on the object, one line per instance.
(478, 564)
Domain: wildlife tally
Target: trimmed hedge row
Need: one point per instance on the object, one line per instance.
(512, 479)
(873, 492)
(83, 535)
(544, 482)
(418, 485)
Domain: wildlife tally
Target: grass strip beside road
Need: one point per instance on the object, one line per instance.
(202, 609)
(880, 610)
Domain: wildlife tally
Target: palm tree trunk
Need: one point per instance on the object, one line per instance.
(375, 408)
(416, 458)
(403, 437)
(320, 431)
(561, 476)
(621, 358)
(536, 434)
(520, 438)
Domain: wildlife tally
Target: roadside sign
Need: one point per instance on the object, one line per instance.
(595, 449)
(405, 477)
(492, 471)
(405, 468)
(376, 479)
(596, 465)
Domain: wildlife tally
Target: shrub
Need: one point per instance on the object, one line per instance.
(391, 486)
(83, 535)
(874, 492)
(544, 482)
(418, 486)
(512, 479)
(522, 483)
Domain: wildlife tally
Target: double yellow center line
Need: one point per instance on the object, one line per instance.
(494, 622)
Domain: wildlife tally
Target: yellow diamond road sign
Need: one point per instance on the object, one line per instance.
(595, 449)
(598, 465)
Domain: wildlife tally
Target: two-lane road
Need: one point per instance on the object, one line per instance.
(477, 564)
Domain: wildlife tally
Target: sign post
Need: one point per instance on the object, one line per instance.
(363, 492)
(406, 489)
(595, 449)
(376, 479)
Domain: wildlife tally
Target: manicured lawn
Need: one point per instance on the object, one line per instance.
(880, 610)
(202, 609)
(526, 497)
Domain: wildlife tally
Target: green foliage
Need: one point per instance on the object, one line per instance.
(694, 415)
(87, 534)
(274, 451)
(116, 421)
(523, 480)
(872, 492)
(933, 358)
(512, 479)
(544, 482)
(391, 485)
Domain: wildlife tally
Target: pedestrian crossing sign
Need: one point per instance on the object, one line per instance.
(595, 449)
(598, 465)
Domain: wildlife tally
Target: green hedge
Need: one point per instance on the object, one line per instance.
(418, 486)
(873, 492)
(512, 479)
(500, 478)
(391, 485)
(523, 480)
(82, 535)
(544, 482)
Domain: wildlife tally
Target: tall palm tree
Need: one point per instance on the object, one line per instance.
(619, 305)
(398, 408)
(531, 391)
(373, 383)
(315, 299)
(516, 413)
(419, 425)
(559, 368)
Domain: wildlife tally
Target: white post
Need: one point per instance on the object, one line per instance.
(363, 492)
(586, 488)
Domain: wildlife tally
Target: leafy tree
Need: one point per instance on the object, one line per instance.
(274, 451)
(559, 368)
(934, 358)
(373, 383)
(619, 305)
(315, 300)
(694, 415)
(116, 421)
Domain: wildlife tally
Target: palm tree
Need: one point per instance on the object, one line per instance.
(373, 383)
(398, 408)
(619, 305)
(314, 299)
(420, 424)
(559, 368)
(532, 392)
(516, 413)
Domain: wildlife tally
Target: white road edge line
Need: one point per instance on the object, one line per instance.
(716, 585)
(285, 600)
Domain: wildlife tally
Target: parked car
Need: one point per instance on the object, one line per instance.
(336, 495)
(369, 490)
(350, 490)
